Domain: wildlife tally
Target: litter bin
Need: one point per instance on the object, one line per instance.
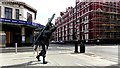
(82, 48)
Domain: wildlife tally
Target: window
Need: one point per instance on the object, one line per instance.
(29, 17)
(85, 36)
(17, 13)
(8, 13)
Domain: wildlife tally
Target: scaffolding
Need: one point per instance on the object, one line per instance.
(106, 26)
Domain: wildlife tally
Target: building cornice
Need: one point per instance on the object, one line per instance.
(13, 2)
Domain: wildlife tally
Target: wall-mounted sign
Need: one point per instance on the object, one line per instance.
(20, 22)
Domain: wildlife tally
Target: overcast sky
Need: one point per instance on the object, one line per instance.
(45, 8)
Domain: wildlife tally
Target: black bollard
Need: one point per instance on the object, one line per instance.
(76, 47)
(82, 48)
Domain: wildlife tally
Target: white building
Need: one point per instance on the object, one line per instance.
(17, 21)
(17, 10)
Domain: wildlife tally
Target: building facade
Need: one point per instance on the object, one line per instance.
(17, 22)
(90, 21)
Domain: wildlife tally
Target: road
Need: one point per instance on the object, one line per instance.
(109, 52)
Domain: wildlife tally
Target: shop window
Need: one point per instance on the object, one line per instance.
(17, 13)
(8, 13)
(29, 17)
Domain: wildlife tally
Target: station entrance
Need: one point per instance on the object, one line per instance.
(16, 34)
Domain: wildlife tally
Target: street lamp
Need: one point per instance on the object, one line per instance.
(75, 31)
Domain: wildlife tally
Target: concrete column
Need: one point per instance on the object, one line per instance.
(23, 34)
(2, 12)
(13, 13)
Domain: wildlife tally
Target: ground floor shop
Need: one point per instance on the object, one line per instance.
(20, 34)
(17, 31)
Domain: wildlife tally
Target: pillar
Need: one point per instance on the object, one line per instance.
(23, 34)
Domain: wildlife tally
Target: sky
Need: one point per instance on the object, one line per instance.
(46, 8)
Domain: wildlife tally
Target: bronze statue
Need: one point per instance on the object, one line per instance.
(42, 38)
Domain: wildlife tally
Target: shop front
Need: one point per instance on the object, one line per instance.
(18, 32)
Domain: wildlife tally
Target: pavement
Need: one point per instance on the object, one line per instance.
(8, 59)
(56, 57)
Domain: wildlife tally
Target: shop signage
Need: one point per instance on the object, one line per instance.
(20, 22)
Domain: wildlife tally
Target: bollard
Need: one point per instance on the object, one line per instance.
(16, 48)
(82, 48)
(76, 47)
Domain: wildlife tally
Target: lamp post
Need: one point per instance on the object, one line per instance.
(82, 44)
(75, 31)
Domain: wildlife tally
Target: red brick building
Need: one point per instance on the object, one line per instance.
(93, 22)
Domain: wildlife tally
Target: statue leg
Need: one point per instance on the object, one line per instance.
(37, 44)
(35, 47)
(43, 53)
(44, 62)
(47, 44)
(38, 56)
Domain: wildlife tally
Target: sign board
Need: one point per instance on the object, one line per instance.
(20, 22)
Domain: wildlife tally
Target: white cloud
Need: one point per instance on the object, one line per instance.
(45, 8)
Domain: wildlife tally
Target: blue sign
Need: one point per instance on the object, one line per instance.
(20, 22)
(29, 23)
(14, 21)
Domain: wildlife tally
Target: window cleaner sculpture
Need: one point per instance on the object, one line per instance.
(42, 38)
